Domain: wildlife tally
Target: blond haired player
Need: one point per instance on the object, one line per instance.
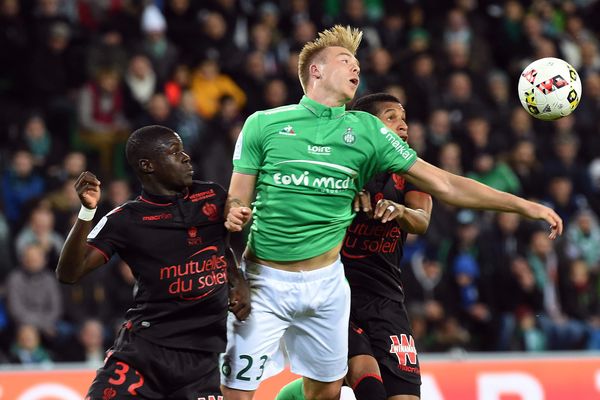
(300, 167)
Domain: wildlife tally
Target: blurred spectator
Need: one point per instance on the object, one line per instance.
(562, 333)
(566, 163)
(290, 77)
(517, 330)
(107, 52)
(20, 186)
(73, 164)
(479, 138)
(33, 294)
(215, 43)
(6, 252)
(438, 133)
(261, 41)
(449, 158)
(275, 94)
(89, 346)
(209, 85)
(191, 128)
(118, 192)
(103, 125)
(253, 78)
(527, 168)
(583, 237)
(379, 73)
(140, 84)
(158, 112)
(560, 197)
(179, 83)
(183, 24)
(155, 45)
(38, 140)
(27, 348)
(501, 99)
(494, 173)
(422, 87)
(580, 298)
(39, 231)
(64, 204)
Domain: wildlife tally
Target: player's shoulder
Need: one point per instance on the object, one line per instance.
(123, 211)
(362, 116)
(279, 110)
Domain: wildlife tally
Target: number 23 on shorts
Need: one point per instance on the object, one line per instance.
(244, 374)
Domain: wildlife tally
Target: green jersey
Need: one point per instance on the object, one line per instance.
(310, 161)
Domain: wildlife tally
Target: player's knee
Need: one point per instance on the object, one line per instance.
(234, 394)
(329, 392)
(360, 367)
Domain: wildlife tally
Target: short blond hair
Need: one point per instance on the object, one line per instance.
(346, 37)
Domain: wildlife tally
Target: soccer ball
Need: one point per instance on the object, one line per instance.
(549, 88)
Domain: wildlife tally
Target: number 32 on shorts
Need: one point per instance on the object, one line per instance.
(244, 374)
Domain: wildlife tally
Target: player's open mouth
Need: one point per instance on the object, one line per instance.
(354, 81)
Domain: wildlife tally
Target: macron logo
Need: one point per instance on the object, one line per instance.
(319, 150)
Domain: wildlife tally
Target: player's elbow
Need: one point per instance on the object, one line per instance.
(65, 278)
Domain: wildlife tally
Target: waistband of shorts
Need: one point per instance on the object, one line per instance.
(328, 271)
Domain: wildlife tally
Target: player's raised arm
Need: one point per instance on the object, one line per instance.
(468, 193)
(76, 258)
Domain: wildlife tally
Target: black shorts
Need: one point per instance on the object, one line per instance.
(379, 327)
(138, 369)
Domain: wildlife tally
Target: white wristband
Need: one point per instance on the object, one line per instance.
(86, 214)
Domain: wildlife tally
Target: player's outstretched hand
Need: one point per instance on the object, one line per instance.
(239, 299)
(88, 189)
(237, 218)
(387, 210)
(539, 211)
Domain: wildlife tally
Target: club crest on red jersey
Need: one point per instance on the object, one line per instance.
(210, 210)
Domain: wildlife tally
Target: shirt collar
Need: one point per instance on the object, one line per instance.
(321, 110)
(161, 200)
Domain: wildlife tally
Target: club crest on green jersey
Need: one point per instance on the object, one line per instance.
(349, 137)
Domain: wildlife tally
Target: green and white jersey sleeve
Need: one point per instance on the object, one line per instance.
(310, 160)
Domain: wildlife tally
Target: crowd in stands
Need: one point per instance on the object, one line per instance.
(76, 76)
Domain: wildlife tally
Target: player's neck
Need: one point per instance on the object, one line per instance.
(327, 98)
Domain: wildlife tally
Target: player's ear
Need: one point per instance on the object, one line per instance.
(145, 165)
(314, 71)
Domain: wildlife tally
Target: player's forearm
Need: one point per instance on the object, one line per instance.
(71, 263)
(414, 221)
(241, 191)
(468, 193)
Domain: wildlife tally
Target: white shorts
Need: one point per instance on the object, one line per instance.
(308, 310)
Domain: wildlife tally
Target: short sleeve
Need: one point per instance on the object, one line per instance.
(393, 153)
(107, 236)
(247, 156)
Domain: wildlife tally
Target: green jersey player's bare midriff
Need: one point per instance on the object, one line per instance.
(310, 160)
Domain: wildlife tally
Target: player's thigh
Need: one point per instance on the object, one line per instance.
(317, 342)
(117, 379)
(254, 350)
(394, 348)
